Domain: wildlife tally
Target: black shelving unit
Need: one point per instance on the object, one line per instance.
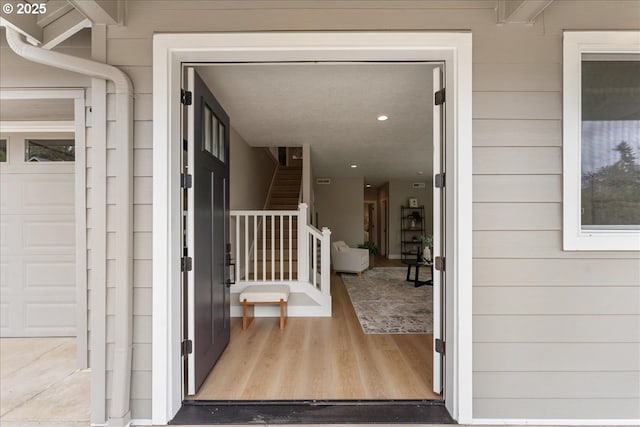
(411, 230)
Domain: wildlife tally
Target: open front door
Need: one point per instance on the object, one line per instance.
(208, 307)
(438, 231)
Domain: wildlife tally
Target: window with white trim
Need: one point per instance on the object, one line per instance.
(601, 140)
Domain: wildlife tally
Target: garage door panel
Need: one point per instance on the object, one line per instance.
(10, 196)
(46, 234)
(11, 277)
(52, 320)
(50, 276)
(10, 234)
(5, 317)
(48, 192)
(37, 248)
(24, 194)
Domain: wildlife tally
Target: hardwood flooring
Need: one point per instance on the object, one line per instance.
(320, 358)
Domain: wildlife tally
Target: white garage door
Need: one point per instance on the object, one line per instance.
(37, 240)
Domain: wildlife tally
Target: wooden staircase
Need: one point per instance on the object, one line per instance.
(285, 195)
(285, 192)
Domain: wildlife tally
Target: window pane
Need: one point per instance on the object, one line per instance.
(207, 129)
(50, 150)
(3, 150)
(216, 143)
(222, 142)
(610, 149)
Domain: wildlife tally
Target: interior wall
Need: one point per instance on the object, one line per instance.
(339, 207)
(399, 193)
(251, 171)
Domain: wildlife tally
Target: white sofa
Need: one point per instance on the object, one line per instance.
(348, 260)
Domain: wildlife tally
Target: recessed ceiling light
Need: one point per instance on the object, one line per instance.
(368, 185)
(420, 173)
(354, 166)
(382, 118)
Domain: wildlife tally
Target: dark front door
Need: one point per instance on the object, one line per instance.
(208, 212)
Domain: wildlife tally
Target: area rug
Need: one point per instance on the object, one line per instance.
(386, 303)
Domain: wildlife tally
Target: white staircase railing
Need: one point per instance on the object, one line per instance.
(280, 247)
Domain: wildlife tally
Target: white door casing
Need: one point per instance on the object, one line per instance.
(172, 50)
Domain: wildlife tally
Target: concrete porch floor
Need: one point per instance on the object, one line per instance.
(40, 383)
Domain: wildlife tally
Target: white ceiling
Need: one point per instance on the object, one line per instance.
(333, 107)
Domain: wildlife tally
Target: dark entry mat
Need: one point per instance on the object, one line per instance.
(195, 412)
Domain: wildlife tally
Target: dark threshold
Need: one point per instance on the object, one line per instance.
(313, 412)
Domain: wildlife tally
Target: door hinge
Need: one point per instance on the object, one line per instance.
(186, 97)
(440, 346)
(439, 180)
(440, 97)
(186, 263)
(439, 263)
(186, 180)
(187, 347)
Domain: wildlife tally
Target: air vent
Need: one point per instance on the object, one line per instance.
(323, 181)
(418, 185)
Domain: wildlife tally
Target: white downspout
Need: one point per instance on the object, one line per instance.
(119, 413)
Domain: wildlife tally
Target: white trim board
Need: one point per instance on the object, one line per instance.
(37, 126)
(171, 50)
(553, 422)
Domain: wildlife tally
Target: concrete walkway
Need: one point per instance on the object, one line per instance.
(40, 384)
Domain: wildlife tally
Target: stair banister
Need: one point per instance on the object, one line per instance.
(303, 243)
(325, 256)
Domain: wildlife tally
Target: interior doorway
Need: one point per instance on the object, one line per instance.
(274, 103)
(370, 214)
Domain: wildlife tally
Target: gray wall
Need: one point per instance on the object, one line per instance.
(556, 334)
(340, 207)
(251, 171)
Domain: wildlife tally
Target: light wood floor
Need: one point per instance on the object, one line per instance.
(321, 358)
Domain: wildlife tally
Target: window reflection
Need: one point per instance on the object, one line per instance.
(610, 144)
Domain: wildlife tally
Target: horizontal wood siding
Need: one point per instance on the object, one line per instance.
(556, 334)
(544, 320)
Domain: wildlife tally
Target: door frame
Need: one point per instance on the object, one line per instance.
(77, 126)
(171, 50)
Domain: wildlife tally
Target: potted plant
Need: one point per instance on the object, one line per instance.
(373, 251)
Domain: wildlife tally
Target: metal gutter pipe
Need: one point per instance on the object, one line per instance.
(120, 412)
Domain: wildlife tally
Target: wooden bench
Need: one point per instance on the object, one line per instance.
(263, 294)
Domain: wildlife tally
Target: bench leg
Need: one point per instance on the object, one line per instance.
(247, 313)
(283, 313)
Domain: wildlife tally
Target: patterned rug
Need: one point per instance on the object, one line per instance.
(386, 303)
